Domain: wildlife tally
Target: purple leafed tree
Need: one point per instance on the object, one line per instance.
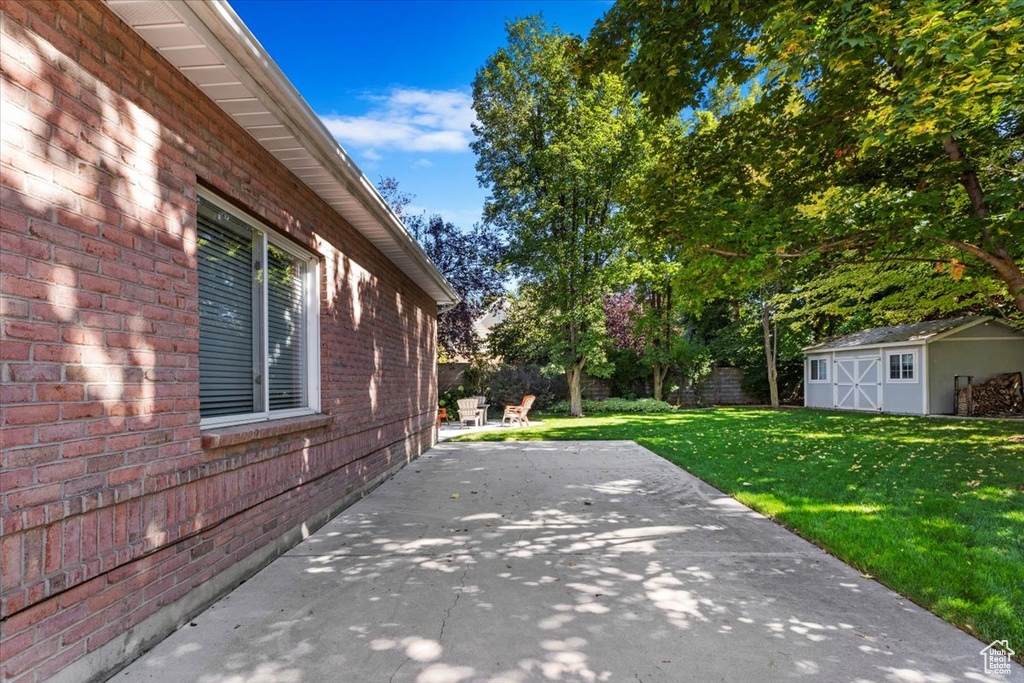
(619, 310)
(467, 260)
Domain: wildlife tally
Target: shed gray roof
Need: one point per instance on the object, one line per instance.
(894, 334)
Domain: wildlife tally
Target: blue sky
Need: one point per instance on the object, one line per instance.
(392, 80)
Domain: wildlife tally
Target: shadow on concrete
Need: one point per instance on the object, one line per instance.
(560, 561)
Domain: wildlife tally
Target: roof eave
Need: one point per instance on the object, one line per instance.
(227, 36)
(925, 339)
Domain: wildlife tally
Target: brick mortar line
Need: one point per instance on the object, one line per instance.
(212, 528)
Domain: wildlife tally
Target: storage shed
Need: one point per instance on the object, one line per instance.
(909, 369)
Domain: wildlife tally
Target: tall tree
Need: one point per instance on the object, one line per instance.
(467, 259)
(551, 145)
(904, 119)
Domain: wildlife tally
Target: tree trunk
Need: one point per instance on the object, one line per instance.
(574, 375)
(658, 380)
(770, 351)
(991, 252)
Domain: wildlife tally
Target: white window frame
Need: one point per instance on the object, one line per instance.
(915, 366)
(822, 362)
(312, 301)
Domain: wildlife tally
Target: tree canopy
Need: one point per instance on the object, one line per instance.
(467, 259)
(552, 143)
(834, 131)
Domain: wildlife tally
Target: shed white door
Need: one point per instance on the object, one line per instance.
(857, 383)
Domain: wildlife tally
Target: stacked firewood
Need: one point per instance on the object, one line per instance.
(1000, 395)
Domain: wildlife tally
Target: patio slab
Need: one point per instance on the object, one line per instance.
(559, 561)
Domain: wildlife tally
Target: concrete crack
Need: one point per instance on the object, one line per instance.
(395, 672)
(448, 612)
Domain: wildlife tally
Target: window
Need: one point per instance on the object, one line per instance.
(901, 367)
(819, 369)
(258, 322)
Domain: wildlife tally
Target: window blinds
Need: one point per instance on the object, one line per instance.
(228, 310)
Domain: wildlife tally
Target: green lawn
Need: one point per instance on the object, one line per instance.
(933, 508)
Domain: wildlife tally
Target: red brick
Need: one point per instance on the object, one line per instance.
(15, 393)
(103, 285)
(33, 496)
(11, 437)
(11, 479)
(15, 350)
(28, 457)
(53, 550)
(79, 411)
(76, 259)
(10, 562)
(22, 662)
(59, 275)
(25, 246)
(60, 392)
(30, 289)
(60, 471)
(52, 313)
(13, 308)
(19, 329)
(58, 353)
(35, 414)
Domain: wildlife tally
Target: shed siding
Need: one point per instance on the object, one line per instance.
(818, 394)
(990, 328)
(980, 358)
(904, 397)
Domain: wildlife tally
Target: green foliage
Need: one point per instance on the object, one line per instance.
(854, 296)
(631, 375)
(931, 508)
(732, 335)
(523, 336)
(508, 384)
(617, 405)
(693, 360)
(550, 146)
(831, 132)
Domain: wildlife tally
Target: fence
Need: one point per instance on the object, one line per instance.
(722, 387)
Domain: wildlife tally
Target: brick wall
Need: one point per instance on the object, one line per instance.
(114, 504)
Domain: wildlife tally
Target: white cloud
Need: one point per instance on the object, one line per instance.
(422, 163)
(409, 120)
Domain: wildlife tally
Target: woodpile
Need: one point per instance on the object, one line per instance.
(1000, 395)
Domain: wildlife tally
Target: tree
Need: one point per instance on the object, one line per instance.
(551, 144)
(466, 259)
(655, 323)
(897, 127)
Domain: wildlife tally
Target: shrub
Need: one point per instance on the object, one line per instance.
(617, 405)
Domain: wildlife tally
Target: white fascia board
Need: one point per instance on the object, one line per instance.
(967, 326)
(911, 342)
(808, 350)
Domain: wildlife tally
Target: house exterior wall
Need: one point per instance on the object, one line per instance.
(116, 507)
(970, 353)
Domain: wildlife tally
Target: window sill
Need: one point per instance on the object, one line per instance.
(221, 437)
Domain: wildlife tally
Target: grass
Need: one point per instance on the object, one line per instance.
(933, 508)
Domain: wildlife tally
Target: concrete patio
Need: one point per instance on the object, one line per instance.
(568, 561)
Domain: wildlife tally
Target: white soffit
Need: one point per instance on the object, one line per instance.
(210, 45)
